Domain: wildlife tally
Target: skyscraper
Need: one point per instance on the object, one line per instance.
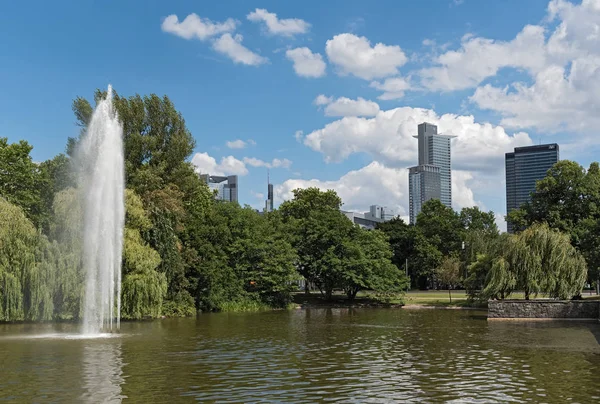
(432, 178)
(524, 167)
(269, 201)
(424, 183)
(225, 187)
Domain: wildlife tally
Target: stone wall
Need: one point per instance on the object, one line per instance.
(543, 309)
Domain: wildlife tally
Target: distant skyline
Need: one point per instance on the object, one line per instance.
(322, 94)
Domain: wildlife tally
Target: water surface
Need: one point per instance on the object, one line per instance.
(345, 355)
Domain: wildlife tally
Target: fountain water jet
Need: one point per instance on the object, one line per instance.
(102, 181)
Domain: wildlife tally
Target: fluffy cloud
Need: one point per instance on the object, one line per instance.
(462, 194)
(197, 27)
(276, 26)
(347, 107)
(306, 63)
(556, 101)
(393, 88)
(564, 94)
(480, 58)
(355, 55)
(236, 144)
(229, 165)
(231, 46)
(372, 184)
(276, 163)
(388, 138)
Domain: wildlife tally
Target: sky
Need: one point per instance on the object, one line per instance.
(325, 94)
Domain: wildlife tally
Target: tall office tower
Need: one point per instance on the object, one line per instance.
(380, 212)
(424, 183)
(226, 187)
(269, 201)
(432, 178)
(524, 167)
(434, 150)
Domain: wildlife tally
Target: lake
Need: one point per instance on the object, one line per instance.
(345, 355)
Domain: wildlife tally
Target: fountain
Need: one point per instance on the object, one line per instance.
(102, 181)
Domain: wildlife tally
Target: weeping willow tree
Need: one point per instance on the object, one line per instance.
(18, 242)
(538, 260)
(143, 288)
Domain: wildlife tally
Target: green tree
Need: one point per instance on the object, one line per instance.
(441, 226)
(318, 230)
(20, 180)
(448, 273)
(368, 266)
(538, 260)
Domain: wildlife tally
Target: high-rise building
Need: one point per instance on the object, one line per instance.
(225, 187)
(434, 150)
(432, 178)
(424, 183)
(524, 167)
(269, 201)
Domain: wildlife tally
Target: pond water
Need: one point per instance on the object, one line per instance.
(346, 355)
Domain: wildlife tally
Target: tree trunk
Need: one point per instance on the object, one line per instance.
(598, 286)
(328, 294)
(526, 295)
(450, 294)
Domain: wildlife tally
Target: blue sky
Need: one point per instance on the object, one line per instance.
(495, 74)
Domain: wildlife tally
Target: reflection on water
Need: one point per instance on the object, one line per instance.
(102, 373)
(347, 355)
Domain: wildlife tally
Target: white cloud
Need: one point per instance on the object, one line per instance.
(276, 26)
(322, 100)
(556, 101)
(236, 144)
(231, 46)
(393, 88)
(276, 163)
(347, 107)
(372, 184)
(462, 194)
(306, 63)
(257, 195)
(388, 138)
(565, 94)
(229, 165)
(197, 27)
(251, 142)
(480, 58)
(354, 55)
(299, 135)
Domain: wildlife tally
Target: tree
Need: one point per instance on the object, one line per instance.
(441, 226)
(318, 230)
(538, 260)
(448, 273)
(368, 265)
(568, 199)
(20, 181)
(474, 219)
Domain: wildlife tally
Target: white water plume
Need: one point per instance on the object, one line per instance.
(102, 182)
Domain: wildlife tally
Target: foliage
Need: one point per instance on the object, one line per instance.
(20, 180)
(448, 273)
(568, 199)
(538, 260)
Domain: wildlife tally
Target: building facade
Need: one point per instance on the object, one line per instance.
(432, 178)
(524, 167)
(424, 183)
(269, 201)
(435, 150)
(225, 187)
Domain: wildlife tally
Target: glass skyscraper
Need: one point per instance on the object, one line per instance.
(432, 178)
(225, 187)
(524, 167)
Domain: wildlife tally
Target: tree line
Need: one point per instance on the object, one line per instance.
(183, 250)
